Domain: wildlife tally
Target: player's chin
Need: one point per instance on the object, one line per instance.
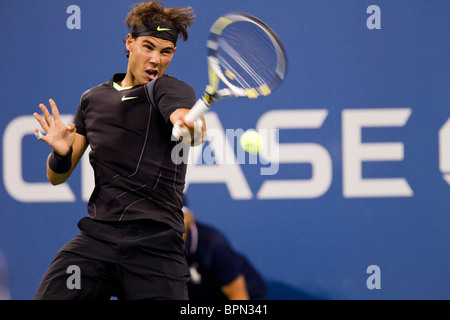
(145, 79)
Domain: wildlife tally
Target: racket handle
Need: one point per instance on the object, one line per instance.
(199, 109)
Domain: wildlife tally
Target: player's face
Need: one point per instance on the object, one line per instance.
(149, 58)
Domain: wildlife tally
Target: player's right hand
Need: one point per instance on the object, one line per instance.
(58, 135)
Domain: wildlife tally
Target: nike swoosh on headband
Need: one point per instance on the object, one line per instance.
(162, 29)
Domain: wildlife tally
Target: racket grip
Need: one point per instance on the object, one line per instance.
(199, 109)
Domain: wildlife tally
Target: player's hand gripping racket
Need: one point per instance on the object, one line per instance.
(246, 56)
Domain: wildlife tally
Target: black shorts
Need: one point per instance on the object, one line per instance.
(128, 260)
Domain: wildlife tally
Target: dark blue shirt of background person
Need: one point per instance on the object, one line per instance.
(218, 272)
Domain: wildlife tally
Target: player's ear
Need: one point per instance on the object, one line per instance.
(129, 42)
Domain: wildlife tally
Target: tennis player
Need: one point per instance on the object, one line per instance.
(130, 245)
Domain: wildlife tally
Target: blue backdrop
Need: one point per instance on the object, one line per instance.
(358, 205)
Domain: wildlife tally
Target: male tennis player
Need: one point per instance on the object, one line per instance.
(130, 245)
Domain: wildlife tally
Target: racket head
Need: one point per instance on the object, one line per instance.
(246, 55)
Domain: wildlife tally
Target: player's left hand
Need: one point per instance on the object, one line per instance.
(192, 133)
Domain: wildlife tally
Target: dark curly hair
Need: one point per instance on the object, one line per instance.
(180, 18)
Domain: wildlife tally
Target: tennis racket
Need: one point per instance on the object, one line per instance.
(246, 56)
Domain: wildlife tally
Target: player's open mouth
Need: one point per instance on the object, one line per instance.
(152, 74)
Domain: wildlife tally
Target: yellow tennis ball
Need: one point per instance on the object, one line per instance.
(251, 141)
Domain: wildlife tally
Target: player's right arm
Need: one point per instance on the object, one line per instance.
(79, 147)
(64, 141)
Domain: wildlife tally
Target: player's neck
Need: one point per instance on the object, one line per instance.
(128, 81)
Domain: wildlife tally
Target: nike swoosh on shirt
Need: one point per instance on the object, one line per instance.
(125, 98)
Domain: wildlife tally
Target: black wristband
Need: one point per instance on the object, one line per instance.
(60, 164)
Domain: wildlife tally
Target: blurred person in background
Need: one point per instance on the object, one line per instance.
(218, 272)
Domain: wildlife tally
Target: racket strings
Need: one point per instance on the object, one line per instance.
(235, 75)
(247, 52)
(241, 62)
